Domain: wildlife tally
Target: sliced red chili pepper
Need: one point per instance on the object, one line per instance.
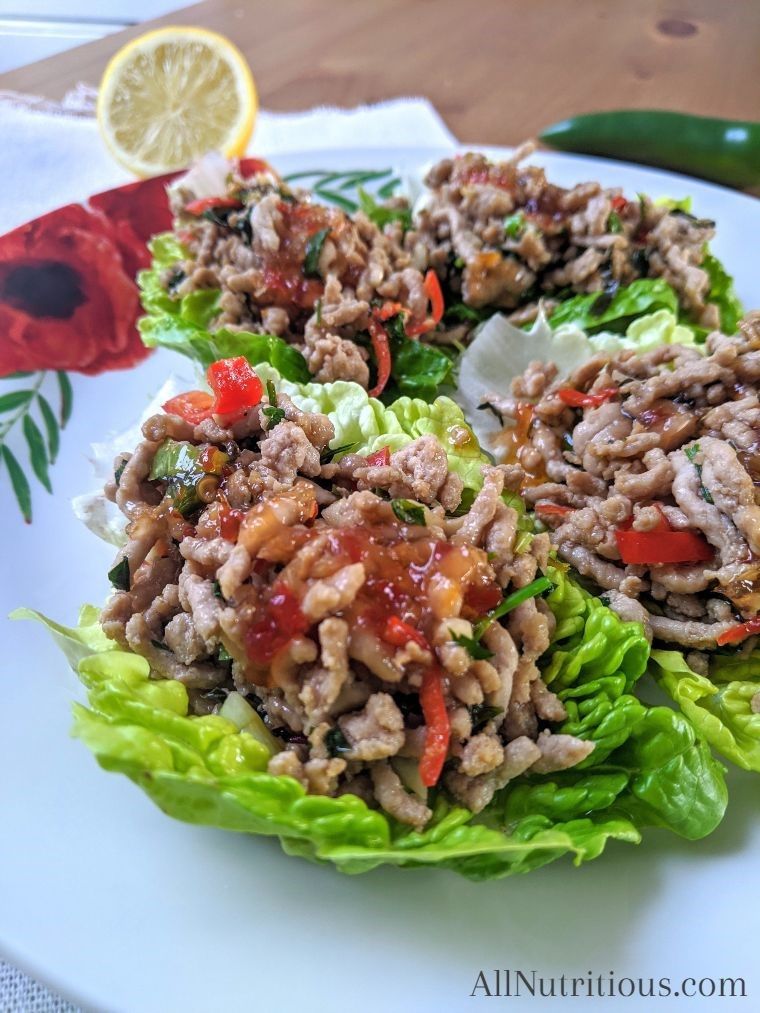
(193, 406)
(553, 509)
(230, 521)
(432, 287)
(382, 349)
(577, 398)
(380, 459)
(236, 387)
(212, 459)
(437, 727)
(619, 203)
(399, 633)
(390, 309)
(740, 632)
(197, 207)
(641, 547)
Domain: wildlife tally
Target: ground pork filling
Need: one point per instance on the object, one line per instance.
(497, 236)
(646, 468)
(337, 607)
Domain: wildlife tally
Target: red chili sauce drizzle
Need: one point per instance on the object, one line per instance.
(398, 574)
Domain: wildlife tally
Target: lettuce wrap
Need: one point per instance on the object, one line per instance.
(649, 768)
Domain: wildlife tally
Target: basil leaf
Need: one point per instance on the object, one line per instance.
(409, 512)
(119, 575)
(313, 250)
(475, 649)
(119, 472)
(418, 369)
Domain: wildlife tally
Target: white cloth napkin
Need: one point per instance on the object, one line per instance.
(52, 154)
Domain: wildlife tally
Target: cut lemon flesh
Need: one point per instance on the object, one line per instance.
(173, 94)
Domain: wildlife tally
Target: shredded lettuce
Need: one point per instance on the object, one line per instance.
(721, 710)
(207, 770)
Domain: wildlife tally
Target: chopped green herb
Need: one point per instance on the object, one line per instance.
(458, 263)
(536, 587)
(514, 225)
(336, 742)
(465, 503)
(318, 310)
(119, 472)
(614, 224)
(159, 645)
(218, 590)
(465, 314)
(691, 453)
(330, 453)
(313, 250)
(481, 714)
(475, 649)
(272, 412)
(223, 654)
(119, 575)
(380, 214)
(409, 512)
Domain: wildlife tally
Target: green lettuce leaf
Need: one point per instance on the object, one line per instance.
(720, 710)
(204, 770)
(722, 293)
(366, 424)
(598, 311)
(675, 781)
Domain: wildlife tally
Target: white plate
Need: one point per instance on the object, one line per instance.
(121, 908)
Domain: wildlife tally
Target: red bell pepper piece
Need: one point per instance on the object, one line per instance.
(740, 632)
(437, 727)
(197, 207)
(382, 349)
(399, 633)
(645, 547)
(577, 399)
(236, 387)
(619, 203)
(380, 459)
(194, 406)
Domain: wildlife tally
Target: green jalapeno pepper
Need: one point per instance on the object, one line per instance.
(725, 151)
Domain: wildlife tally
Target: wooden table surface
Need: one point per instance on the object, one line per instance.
(498, 70)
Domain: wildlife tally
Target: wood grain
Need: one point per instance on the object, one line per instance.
(498, 70)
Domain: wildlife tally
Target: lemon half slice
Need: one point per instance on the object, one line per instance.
(173, 94)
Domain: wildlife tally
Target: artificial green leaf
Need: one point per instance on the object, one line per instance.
(37, 451)
(67, 397)
(51, 427)
(19, 483)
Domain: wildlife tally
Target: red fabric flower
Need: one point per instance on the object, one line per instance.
(67, 295)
